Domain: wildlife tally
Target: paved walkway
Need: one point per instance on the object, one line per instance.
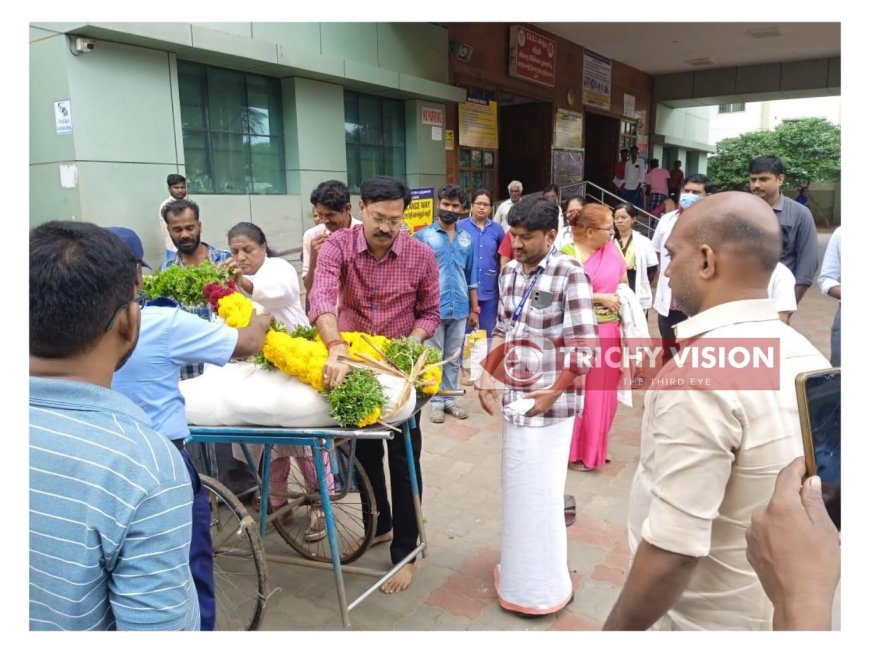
(453, 587)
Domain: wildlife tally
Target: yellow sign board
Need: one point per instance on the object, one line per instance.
(421, 210)
(478, 125)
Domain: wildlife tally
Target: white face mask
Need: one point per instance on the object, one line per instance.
(687, 199)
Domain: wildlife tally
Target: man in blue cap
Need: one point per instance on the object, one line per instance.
(168, 338)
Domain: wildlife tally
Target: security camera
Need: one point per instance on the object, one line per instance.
(84, 45)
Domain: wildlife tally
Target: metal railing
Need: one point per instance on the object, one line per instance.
(645, 223)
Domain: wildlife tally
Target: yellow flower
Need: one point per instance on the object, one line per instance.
(371, 418)
(236, 310)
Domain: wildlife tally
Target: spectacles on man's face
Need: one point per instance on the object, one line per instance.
(140, 299)
(392, 223)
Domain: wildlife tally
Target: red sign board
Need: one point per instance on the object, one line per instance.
(532, 57)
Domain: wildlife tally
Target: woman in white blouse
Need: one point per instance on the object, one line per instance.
(637, 249)
(273, 283)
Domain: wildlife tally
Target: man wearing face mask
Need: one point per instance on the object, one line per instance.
(694, 188)
(457, 278)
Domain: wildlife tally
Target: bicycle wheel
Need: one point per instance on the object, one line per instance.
(239, 565)
(353, 509)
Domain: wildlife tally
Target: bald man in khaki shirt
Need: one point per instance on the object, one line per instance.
(709, 458)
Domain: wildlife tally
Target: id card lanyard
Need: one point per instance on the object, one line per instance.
(519, 309)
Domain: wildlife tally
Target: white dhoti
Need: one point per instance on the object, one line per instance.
(532, 577)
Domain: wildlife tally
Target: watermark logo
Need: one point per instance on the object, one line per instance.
(638, 363)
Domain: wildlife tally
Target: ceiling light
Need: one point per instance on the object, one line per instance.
(701, 61)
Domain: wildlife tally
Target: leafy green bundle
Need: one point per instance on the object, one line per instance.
(359, 400)
(185, 284)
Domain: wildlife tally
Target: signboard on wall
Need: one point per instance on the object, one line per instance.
(432, 116)
(567, 167)
(421, 210)
(532, 57)
(63, 117)
(568, 130)
(478, 124)
(448, 139)
(597, 72)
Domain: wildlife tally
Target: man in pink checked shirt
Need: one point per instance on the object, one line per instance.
(385, 283)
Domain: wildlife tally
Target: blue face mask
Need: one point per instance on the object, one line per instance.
(687, 199)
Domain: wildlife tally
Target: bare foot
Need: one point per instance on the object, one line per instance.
(401, 580)
(380, 539)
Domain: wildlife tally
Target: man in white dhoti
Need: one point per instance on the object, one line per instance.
(544, 339)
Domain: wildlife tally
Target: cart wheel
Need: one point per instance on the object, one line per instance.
(353, 509)
(239, 565)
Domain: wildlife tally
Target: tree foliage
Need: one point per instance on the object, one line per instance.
(809, 149)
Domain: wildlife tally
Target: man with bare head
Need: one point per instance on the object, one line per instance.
(709, 457)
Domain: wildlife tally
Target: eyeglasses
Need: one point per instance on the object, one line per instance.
(481, 205)
(140, 299)
(392, 223)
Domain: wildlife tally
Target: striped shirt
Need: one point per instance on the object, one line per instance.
(110, 510)
(555, 330)
(390, 297)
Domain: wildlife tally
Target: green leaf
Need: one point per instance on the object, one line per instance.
(184, 284)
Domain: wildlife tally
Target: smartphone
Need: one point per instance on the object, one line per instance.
(818, 395)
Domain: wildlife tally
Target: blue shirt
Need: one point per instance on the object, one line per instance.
(168, 338)
(457, 271)
(485, 242)
(215, 255)
(110, 513)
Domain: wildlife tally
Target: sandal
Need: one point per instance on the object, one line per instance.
(579, 467)
(316, 525)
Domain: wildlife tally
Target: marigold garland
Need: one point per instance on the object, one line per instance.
(305, 359)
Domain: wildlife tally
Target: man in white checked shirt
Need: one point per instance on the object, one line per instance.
(544, 339)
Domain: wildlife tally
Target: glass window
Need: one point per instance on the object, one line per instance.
(374, 129)
(232, 130)
(735, 107)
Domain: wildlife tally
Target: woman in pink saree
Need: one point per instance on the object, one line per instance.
(596, 250)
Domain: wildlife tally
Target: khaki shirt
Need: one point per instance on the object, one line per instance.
(708, 459)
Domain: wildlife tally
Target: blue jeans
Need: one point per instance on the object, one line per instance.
(835, 340)
(448, 338)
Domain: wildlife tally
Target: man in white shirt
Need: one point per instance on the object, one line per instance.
(515, 191)
(331, 202)
(830, 283)
(177, 191)
(635, 173)
(781, 291)
(710, 457)
(694, 188)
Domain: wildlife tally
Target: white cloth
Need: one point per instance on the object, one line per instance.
(501, 212)
(309, 236)
(830, 276)
(634, 328)
(565, 237)
(533, 576)
(276, 289)
(781, 289)
(644, 257)
(242, 394)
(662, 302)
(708, 459)
(635, 173)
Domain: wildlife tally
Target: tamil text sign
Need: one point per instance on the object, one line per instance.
(421, 210)
(532, 57)
(478, 124)
(597, 72)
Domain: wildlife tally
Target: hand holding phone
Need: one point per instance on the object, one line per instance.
(818, 395)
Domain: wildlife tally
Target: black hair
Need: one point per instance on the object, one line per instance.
(678, 162)
(634, 147)
(79, 275)
(754, 241)
(333, 194)
(551, 187)
(539, 214)
(481, 191)
(629, 208)
(700, 179)
(625, 149)
(653, 163)
(253, 232)
(173, 179)
(766, 163)
(178, 206)
(384, 189)
(452, 191)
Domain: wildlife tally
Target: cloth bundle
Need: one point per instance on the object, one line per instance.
(242, 394)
